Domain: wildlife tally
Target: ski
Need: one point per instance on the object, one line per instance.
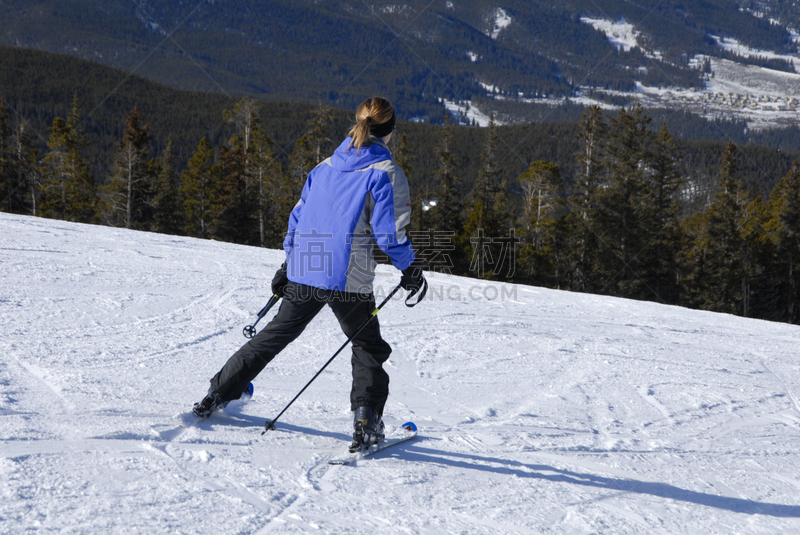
(185, 420)
(405, 432)
(189, 419)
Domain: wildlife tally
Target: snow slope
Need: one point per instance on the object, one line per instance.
(622, 34)
(732, 45)
(467, 112)
(539, 411)
(502, 20)
(732, 77)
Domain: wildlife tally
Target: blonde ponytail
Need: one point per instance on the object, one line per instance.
(373, 112)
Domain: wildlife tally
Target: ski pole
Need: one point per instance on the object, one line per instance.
(250, 330)
(270, 424)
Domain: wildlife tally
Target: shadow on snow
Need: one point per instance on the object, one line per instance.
(549, 473)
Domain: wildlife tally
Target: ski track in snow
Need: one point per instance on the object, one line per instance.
(542, 412)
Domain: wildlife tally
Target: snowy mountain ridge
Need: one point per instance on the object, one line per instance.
(425, 56)
(764, 98)
(539, 411)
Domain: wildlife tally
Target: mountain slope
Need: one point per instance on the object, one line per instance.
(417, 52)
(539, 410)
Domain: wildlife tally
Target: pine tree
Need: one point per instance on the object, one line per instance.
(784, 228)
(68, 190)
(20, 175)
(317, 132)
(200, 187)
(758, 255)
(271, 190)
(402, 157)
(438, 231)
(129, 194)
(309, 148)
(263, 177)
(487, 220)
(56, 172)
(716, 255)
(482, 198)
(619, 214)
(8, 169)
(659, 260)
(167, 206)
(447, 215)
(583, 246)
(232, 209)
(301, 162)
(260, 205)
(401, 154)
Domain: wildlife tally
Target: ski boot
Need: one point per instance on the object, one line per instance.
(369, 429)
(213, 402)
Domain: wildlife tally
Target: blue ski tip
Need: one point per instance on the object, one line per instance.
(410, 426)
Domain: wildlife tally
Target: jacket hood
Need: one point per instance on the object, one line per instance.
(353, 160)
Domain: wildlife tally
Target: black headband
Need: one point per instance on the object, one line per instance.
(383, 129)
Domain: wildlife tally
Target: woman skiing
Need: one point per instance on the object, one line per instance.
(354, 198)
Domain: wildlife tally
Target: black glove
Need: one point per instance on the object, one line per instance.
(412, 279)
(279, 281)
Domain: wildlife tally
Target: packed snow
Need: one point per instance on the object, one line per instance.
(465, 112)
(732, 45)
(622, 34)
(500, 22)
(540, 411)
(583, 100)
(732, 77)
(490, 88)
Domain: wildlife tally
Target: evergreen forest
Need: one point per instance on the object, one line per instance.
(612, 203)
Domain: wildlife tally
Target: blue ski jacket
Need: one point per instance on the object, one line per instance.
(349, 201)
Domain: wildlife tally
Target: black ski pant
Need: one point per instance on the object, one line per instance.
(300, 305)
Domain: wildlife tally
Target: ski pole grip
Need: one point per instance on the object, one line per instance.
(422, 291)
